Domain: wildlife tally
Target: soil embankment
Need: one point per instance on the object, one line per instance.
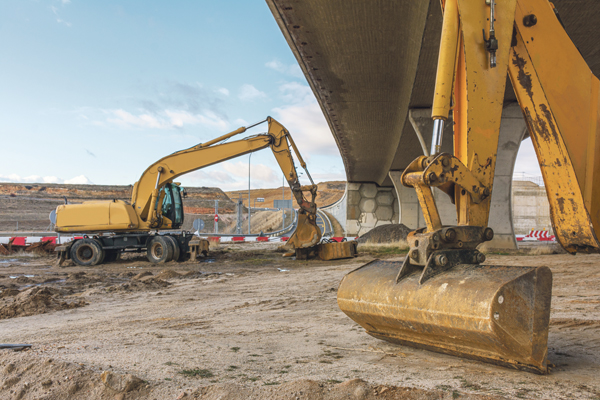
(26, 207)
(327, 193)
(29, 205)
(246, 323)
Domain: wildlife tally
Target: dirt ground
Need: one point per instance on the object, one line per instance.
(246, 323)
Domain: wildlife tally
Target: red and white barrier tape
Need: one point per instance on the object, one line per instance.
(27, 240)
(536, 235)
(533, 236)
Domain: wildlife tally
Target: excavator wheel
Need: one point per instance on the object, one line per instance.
(176, 249)
(159, 250)
(87, 252)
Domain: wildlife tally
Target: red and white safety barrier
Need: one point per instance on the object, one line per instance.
(28, 240)
(244, 239)
(537, 235)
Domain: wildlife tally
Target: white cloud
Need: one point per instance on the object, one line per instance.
(308, 127)
(294, 93)
(292, 69)
(58, 18)
(65, 2)
(78, 180)
(259, 172)
(127, 120)
(249, 92)
(223, 91)
(14, 178)
(167, 119)
(527, 164)
(179, 118)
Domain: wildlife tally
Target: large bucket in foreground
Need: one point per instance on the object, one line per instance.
(495, 314)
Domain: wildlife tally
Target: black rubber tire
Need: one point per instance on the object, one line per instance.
(159, 250)
(87, 252)
(111, 255)
(176, 248)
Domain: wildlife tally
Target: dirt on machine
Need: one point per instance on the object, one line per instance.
(151, 221)
(443, 297)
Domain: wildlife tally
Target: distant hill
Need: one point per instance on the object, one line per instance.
(328, 193)
(27, 205)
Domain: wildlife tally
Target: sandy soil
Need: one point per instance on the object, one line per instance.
(245, 323)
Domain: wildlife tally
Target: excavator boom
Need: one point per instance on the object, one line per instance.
(441, 297)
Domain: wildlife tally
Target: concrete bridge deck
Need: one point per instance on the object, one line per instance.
(369, 63)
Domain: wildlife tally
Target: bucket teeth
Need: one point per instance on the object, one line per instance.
(496, 314)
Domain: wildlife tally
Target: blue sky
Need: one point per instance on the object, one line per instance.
(95, 91)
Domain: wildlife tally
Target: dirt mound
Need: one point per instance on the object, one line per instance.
(35, 301)
(9, 293)
(81, 278)
(141, 275)
(386, 234)
(168, 274)
(355, 389)
(146, 283)
(53, 379)
(23, 280)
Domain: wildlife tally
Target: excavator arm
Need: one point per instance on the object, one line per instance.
(441, 297)
(146, 192)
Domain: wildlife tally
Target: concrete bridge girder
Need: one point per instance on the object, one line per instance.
(367, 202)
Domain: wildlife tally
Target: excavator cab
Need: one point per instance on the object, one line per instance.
(172, 205)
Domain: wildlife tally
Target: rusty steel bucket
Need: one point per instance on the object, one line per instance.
(495, 314)
(307, 233)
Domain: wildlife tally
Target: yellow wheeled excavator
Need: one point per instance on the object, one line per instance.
(442, 297)
(156, 204)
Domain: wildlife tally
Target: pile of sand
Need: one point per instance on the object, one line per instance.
(20, 378)
(54, 379)
(37, 300)
(168, 274)
(149, 282)
(390, 233)
(355, 389)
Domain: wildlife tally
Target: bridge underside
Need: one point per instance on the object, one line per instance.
(369, 62)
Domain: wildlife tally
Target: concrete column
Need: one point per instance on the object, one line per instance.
(410, 211)
(369, 206)
(512, 131)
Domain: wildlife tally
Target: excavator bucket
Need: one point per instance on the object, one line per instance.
(307, 233)
(496, 314)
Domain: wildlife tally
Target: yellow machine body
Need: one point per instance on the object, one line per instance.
(441, 298)
(91, 216)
